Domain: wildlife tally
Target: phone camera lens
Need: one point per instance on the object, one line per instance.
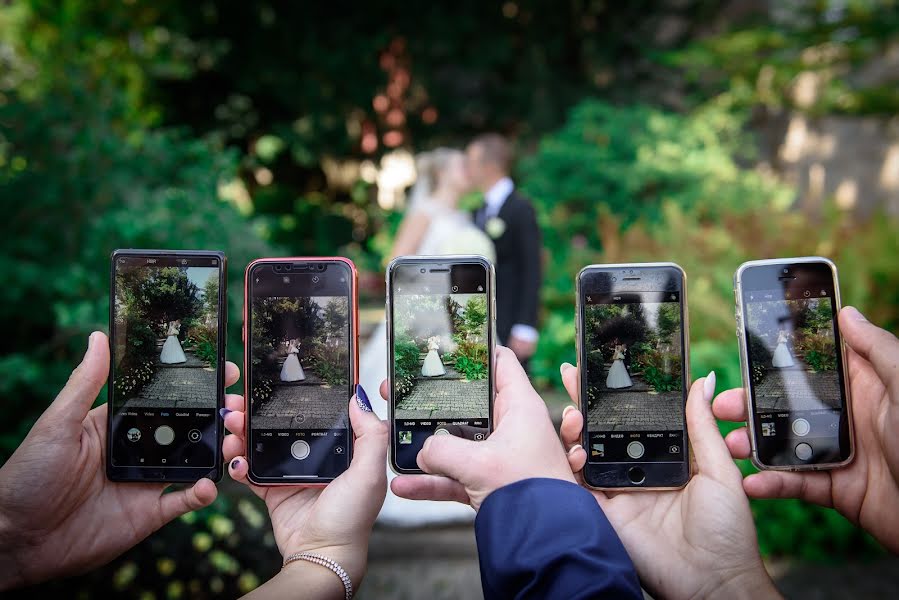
(421, 270)
(277, 268)
(786, 270)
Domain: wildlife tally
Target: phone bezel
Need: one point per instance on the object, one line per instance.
(739, 296)
(169, 474)
(443, 261)
(353, 300)
(614, 476)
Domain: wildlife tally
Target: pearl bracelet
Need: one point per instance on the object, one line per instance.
(328, 564)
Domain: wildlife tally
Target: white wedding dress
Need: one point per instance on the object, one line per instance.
(618, 376)
(433, 366)
(292, 370)
(782, 357)
(449, 232)
(172, 353)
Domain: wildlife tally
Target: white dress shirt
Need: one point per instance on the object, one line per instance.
(494, 199)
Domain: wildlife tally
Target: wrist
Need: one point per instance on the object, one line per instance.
(352, 559)
(750, 583)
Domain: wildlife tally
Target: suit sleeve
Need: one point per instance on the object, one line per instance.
(530, 266)
(547, 538)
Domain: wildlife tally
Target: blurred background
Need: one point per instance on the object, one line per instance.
(707, 133)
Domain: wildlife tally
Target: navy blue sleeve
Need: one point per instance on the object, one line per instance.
(547, 538)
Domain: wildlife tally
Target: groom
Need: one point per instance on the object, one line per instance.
(508, 218)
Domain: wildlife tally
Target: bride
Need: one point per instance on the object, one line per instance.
(433, 366)
(292, 370)
(782, 358)
(433, 225)
(618, 376)
(172, 353)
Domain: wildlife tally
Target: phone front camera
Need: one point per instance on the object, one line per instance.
(421, 270)
(786, 270)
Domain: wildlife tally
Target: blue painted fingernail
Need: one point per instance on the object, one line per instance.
(235, 463)
(225, 412)
(362, 399)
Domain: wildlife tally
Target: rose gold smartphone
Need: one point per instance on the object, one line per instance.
(633, 358)
(440, 341)
(300, 368)
(794, 364)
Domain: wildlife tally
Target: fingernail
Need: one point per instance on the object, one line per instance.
(565, 366)
(574, 448)
(566, 410)
(362, 399)
(224, 412)
(855, 314)
(708, 387)
(235, 463)
(90, 341)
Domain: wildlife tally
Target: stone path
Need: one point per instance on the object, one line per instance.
(797, 388)
(303, 404)
(191, 384)
(636, 408)
(449, 396)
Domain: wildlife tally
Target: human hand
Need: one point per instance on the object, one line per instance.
(334, 521)
(699, 541)
(523, 445)
(866, 491)
(59, 514)
(523, 349)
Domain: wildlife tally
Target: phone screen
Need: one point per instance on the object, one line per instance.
(166, 359)
(440, 345)
(299, 328)
(795, 364)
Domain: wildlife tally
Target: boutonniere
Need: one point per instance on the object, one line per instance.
(495, 227)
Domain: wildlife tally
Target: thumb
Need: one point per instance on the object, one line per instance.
(878, 346)
(451, 457)
(709, 450)
(176, 503)
(370, 445)
(84, 384)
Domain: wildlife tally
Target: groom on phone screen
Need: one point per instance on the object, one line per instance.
(508, 218)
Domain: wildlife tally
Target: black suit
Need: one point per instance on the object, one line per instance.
(518, 268)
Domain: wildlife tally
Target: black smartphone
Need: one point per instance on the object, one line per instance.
(166, 381)
(794, 364)
(633, 354)
(440, 338)
(301, 363)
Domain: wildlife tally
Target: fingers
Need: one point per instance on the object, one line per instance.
(236, 423)
(234, 402)
(84, 384)
(570, 381)
(237, 469)
(572, 427)
(175, 504)
(385, 390)
(233, 446)
(513, 388)
(232, 374)
(466, 432)
(428, 487)
(811, 487)
(709, 450)
(737, 442)
(730, 405)
(449, 456)
(878, 346)
(577, 458)
(370, 446)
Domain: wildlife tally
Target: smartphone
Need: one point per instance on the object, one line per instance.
(166, 381)
(633, 354)
(794, 363)
(301, 365)
(440, 337)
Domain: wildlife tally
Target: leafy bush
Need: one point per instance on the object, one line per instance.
(330, 362)
(203, 340)
(406, 367)
(819, 352)
(662, 371)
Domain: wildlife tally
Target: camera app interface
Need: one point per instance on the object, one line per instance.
(165, 361)
(300, 372)
(440, 356)
(795, 365)
(634, 366)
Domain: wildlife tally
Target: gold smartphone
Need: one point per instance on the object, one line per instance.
(633, 353)
(440, 340)
(793, 362)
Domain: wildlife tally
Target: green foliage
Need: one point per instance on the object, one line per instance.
(405, 365)
(819, 352)
(663, 371)
(203, 340)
